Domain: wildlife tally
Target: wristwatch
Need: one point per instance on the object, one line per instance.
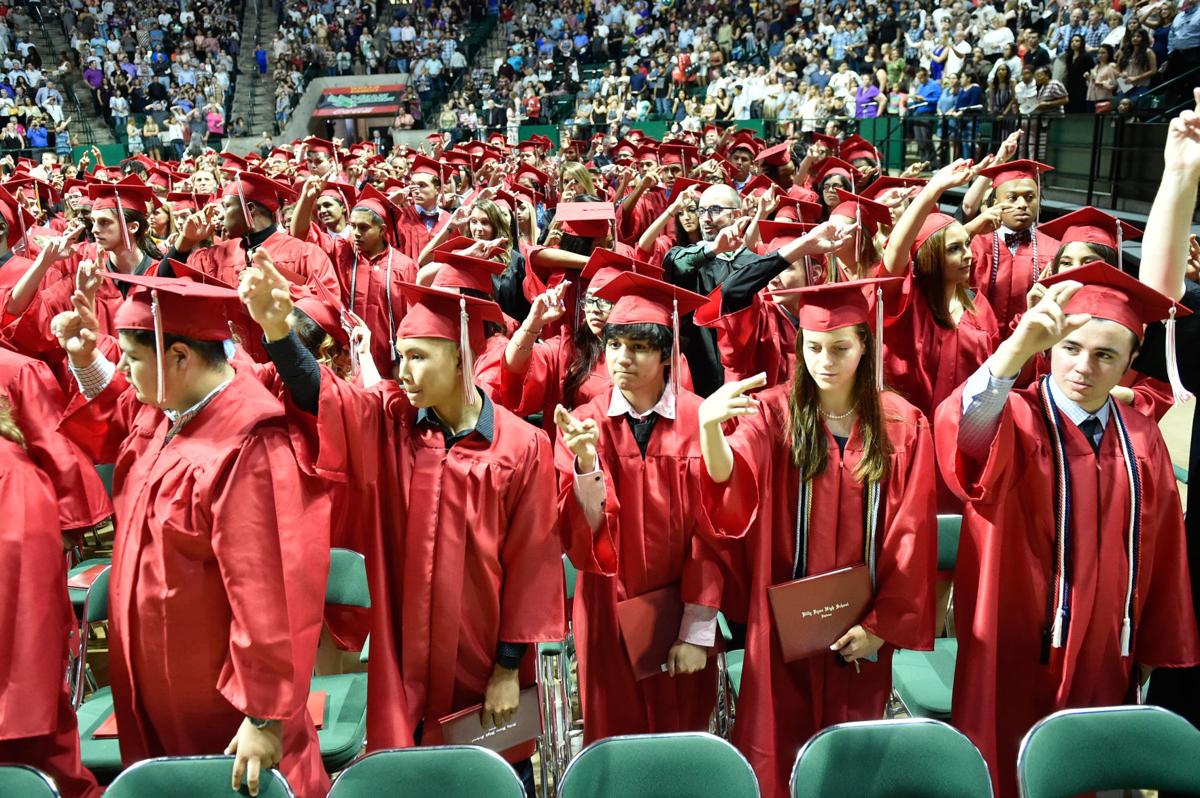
(260, 723)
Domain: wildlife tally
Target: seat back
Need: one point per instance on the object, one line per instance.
(681, 765)
(95, 605)
(26, 782)
(949, 528)
(912, 756)
(105, 470)
(570, 574)
(1109, 748)
(347, 583)
(448, 771)
(193, 776)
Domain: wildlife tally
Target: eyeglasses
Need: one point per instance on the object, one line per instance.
(713, 210)
(602, 305)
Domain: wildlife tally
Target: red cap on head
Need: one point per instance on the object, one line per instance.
(638, 299)
(1014, 170)
(829, 141)
(159, 177)
(131, 194)
(835, 166)
(422, 165)
(16, 216)
(775, 234)
(682, 184)
(870, 214)
(832, 306)
(342, 192)
(457, 158)
(187, 201)
(260, 189)
(1108, 293)
(466, 271)
(855, 147)
(794, 210)
(43, 193)
(314, 144)
(540, 178)
(887, 183)
(684, 155)
(450, 316)
(317, 302)
(756, 185)
(744, 140)
(586, 219)
(187, 308)
(1090, 226)
(604, 266)
(230, 161)
(779, 155)
(933, 222)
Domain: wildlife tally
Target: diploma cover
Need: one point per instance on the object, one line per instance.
(810, 614)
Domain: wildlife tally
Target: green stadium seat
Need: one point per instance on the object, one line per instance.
(26, 782)
(907, 757)
(683, 765)
(344, 727)
(91, 606)
(448, 771)
(100, 755)
(1078, 751)
(193, 776)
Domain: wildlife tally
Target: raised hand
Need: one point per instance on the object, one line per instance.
(264, 292)
(1046, 323)
(730, 401)
(1182, 150)
(197, 227)
(951, 175)
(827, 237)
(1008, 147)
(731, 237)
(547, 307)
(915, 169)
(580, 437)
(76, 334)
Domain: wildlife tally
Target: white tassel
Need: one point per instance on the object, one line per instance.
(1126, 633)
(156, 313)
(464, 346)
(675, 358)
(242, 202)
(879, 338)
(1056, 630)
(1181, 393)
(121, 222)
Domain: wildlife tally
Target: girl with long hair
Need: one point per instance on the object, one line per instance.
(828, 472)
(677, 226)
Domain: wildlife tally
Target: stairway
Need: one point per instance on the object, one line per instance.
(254, 95)
(479, 66)
(88, 126)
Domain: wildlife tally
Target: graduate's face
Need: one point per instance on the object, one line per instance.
(425, 189)
(957, 261)
(1074, 255)
(480, 226)
(832, 357)
(330, 212)
(634, 364)
(1088, 363)
(140, 366)
(106, 229)
(428, 370)
(367, 231)
(595, 313)
(233, 218)
(203, 182)
(1020, 203)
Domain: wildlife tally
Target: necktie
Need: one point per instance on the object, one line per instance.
(641, 429)
(1016, 239)
(1093, 429)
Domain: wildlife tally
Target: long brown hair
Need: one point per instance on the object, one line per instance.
(8, 425)
(805, 433)
(931, 259)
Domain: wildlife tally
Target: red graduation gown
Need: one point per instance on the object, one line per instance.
(649, 206)
(1006, 285)
(38, 405)
(411, 233)
(652, 536)
(37, 721)
(757, 338)
(1001, 687)
(218, 579)
(226, 259)
(784, 704)
(474, 563)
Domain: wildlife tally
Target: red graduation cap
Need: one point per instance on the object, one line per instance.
(835, 166)
(832, 306)
(457, 158)
(869, 214)
(625, 145)
(176, 306)
(436, 313)
(933, 223)
(159, 178)
(17, 217)
(497, 138)
(44, 194)
(131, 194)
(187, 200)
(683, 154)
(316, 301)
(776, 234)
(543, 142)
(855, 147)
(372, 199)
(779, 155)
(638, 299)
(1109, 293)
(744, 140)
(605, 265)
(234, 162)
(252, 187)
(342, 192)
(887, 183)
(314, 144)
(466, 272)
(829, 141)
(421, 165)
(540, 178)
(530, 146)
(682, 184)
(586, 219)
(1091, 226)
(795, 210)
(1014, 170)
(646, 152)
(757, 184)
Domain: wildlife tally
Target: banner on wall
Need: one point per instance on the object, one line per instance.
(361, 101)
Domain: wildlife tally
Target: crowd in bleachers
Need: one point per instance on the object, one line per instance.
(796, 65)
